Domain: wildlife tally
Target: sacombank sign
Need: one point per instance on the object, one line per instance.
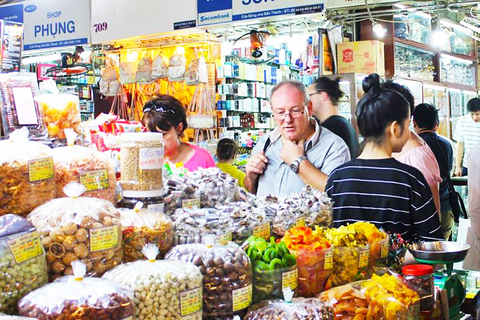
(215, 17)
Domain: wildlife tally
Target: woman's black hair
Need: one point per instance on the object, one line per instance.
(329, 86)
(379, 107)
(404, 91)
(164, 112)
(226, 149)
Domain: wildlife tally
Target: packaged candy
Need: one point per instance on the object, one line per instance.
(62, 111)
(87, 167)
(23, 267)
(79, 228)
(166, 289)
(27, 174)
(227, 282)
(77, 297)
(140, 227)
(297, 309)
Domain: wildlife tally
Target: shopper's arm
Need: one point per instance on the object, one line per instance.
(312, 176)
(254, 168)
(458, 159)
(436, 196)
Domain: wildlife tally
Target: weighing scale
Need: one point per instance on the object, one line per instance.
(448, 253)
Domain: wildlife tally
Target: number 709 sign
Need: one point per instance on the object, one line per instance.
(99, 27)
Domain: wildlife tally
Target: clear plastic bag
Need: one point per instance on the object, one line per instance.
(79, 228)
(144, 70)
(349, 264)
(19, 109)
(141, 227)
(22, 261)
(215, 187)
(314, 268)
(26, 174)
(62, 111)
(159, 67)
(227, 285)
(165, 289)
(7, 317)
(177, 65)
(86, 166)
(76, 297)
(297, 309)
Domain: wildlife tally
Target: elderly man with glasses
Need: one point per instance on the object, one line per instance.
(298, 151)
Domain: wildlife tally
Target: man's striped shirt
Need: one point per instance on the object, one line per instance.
(468, 132)
(387, 193)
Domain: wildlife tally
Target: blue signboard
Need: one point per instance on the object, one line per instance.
(12, 13)
(214, 11)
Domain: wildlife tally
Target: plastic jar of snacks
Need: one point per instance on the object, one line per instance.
(141, 164)
(419, 277)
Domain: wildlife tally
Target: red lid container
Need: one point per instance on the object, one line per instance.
(417, 270)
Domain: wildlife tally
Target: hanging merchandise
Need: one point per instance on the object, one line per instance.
(26, 174)
(109, 85)
(202, 103)
(159, 67)
(195, 67)
(22, 260)
(79, 228)
(144, 70)
(75, 295)
(127, 72)
(177, 66)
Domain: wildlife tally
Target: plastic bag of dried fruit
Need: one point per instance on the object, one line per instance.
(139, 227)
(227, 285)
(79, 228)
(26, 174)
(290, 309)
(7, 317)
(168, 289)
(62, 111)
(87, 167)
(22, 261)
(78, 297)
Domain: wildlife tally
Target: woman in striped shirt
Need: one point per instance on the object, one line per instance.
(375, 187)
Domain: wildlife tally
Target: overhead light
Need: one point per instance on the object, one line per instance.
(378, 29)
(45, 58)
(439, 38)
(257, 39)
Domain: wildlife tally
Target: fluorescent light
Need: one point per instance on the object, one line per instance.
(378, 29)
(38, 59)
(439, 38)
(448, 57)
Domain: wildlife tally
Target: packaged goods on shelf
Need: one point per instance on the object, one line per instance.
(79, 228)
(314, 259)
(23, 267)
(27, 174)
(274, 269)
(76, 296)
(227, 285)
(297, 309)
(167, 289)
(62, 111)
(140, 227)
(361, 56)
(86, 166)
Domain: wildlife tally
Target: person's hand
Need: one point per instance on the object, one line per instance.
(458, 172)
(256, 165)
(291, 151)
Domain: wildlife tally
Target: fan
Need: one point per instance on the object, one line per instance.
(257, 40)
(475, 11)
(69, 66)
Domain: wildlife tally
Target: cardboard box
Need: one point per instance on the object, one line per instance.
(362, 57)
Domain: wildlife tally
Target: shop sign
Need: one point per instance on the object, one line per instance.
(12, 13)
(221, 11)
(56, 23)
(337, 4)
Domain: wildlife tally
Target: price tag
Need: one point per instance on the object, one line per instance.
(300, 222)
(262, 231)
(103, 238)
(95, 180)
(223, 239)
(242, 298)
(363, 260)
(191, 301)
(157, 208)
(191, 203)
(40, 169)
(290, 279)
(477, 285)
(384, 250)
(328, 260)
(25, 247)
(91, 80)
(151, 158)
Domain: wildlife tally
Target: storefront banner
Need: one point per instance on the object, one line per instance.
(121, 19)
(338, 4)
(12, 13)
(222, 11)
(56, 23)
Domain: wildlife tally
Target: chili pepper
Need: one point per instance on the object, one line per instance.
(270, 254)
(289, 260)
(273, 264)
(283, 248)
(260, 266)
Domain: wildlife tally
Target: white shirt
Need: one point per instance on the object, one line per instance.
(468, 132)
(474, 188)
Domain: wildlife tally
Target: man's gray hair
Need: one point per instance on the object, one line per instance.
(294, 83)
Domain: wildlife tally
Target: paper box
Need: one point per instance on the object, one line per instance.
(362, 57)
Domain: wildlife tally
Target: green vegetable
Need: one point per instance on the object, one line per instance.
(260, 266)
(289, 260)
(274, 263)
(270, 254)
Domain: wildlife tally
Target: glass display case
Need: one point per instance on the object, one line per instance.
(416, 87)
(459, 41)
(456, 70)
(458, 105)
(415, 26)
(413, 62)
(438, 96)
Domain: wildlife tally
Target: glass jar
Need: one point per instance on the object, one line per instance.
(141, 164)
(419, 277)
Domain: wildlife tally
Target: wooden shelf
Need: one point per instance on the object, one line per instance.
(414, 44)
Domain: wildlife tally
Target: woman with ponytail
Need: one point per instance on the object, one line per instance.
(375, 187)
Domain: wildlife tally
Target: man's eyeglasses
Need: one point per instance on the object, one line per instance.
(152, 106)
(295, 113)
